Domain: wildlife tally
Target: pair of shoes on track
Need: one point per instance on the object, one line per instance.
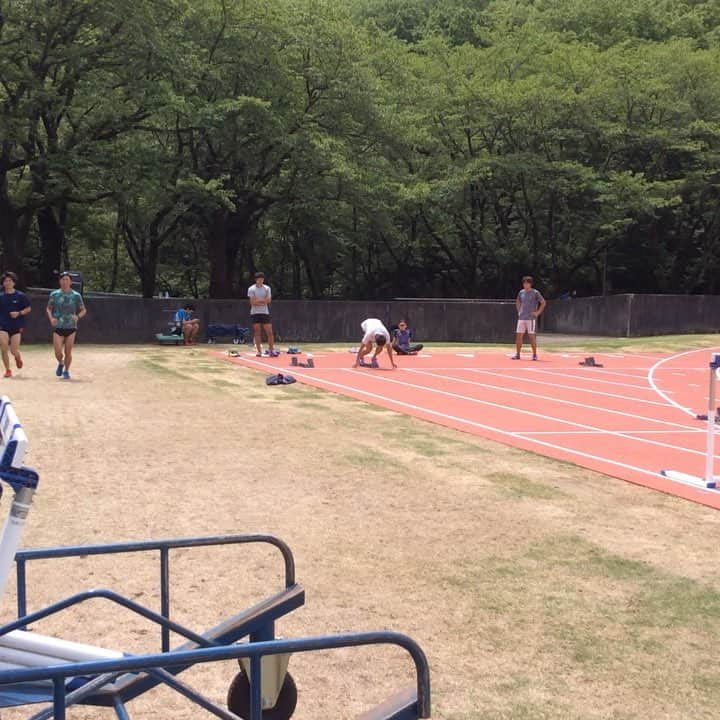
(517, 357)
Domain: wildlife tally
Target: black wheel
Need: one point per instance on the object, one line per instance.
(238, 699)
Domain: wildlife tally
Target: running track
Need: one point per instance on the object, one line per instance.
(629, 419)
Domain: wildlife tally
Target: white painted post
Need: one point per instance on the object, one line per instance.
(710, 451)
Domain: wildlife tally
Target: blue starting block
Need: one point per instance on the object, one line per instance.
(35, 668)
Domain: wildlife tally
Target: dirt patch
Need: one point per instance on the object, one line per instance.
(536, 588)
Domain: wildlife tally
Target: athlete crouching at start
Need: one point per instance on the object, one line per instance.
(377, 335)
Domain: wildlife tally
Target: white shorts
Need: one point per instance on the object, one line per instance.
(526, 326)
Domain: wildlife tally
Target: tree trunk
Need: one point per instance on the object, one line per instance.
(14, 229)
(51, 226)
(148, 276)
(229, 232)
(115, 260)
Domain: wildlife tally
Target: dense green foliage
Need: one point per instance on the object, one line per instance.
(371, 148)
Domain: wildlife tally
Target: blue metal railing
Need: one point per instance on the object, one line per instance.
(22, 557)
(165, 622)
(157, 663)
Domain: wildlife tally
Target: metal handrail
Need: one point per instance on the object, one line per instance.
(78, 598)
(22, 557)
(255, 651)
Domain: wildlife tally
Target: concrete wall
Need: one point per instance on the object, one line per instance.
(674, 314)
(634, 315)
(134, 320)
(120, 320)
(608, 316)
(440, 321)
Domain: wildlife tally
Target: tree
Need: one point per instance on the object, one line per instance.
(75, 76)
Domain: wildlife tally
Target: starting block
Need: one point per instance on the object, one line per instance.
(590, 362)
(294, 362)
(704, 416)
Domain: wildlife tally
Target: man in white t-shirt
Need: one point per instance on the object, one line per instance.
(260, 297)
(374, 333)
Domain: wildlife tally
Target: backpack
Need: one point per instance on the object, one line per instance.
(280, 379)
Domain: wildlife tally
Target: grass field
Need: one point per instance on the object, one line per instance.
(538, 589)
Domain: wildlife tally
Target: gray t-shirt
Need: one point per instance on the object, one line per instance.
(260, 293)
(529, 302)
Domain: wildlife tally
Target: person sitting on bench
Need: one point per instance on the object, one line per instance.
(402, 336)
(186, 324)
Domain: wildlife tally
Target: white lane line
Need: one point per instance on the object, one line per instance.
(664, 394)
(520, 411)
(550, 398)
(400, 367)
(627, 372)
(472, 423)
(573, 388)
(584, 376)
(599, 432)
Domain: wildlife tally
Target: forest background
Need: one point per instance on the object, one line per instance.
(362, 148)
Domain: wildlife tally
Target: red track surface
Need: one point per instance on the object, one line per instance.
(630, 419)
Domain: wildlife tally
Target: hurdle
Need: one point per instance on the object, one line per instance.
(36, 668)
(709, 481)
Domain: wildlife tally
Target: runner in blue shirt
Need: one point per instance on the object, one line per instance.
(14, 306)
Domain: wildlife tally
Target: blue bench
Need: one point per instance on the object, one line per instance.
(237, 333)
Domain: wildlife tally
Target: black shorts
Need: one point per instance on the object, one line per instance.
(260, 319)
(12, 332)
(65, 332)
